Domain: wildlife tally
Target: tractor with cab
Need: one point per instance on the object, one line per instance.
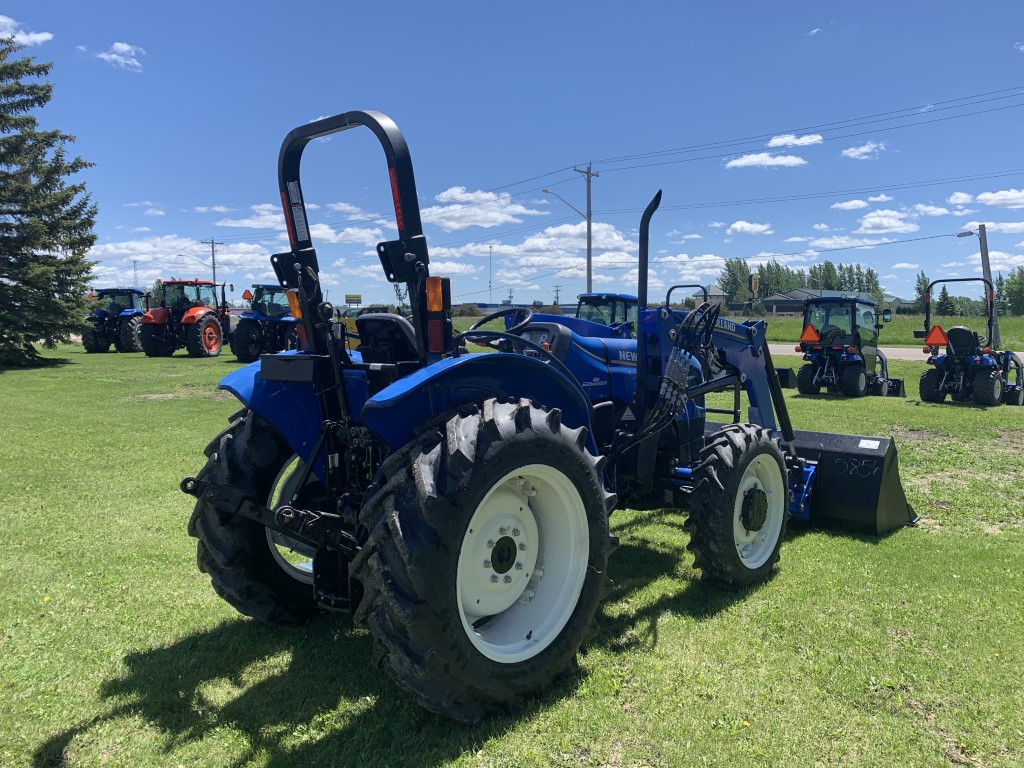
(267, 326)
(188, 315)
(115, 321)
(839, 343)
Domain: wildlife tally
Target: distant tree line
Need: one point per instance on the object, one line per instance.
(1009, 296)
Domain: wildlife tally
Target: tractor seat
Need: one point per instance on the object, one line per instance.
(961, 341)
(386, 338)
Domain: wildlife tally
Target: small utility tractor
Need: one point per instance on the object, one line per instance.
(267, 326)
(840, 347)
(116, 321)
(188, 315)
(963, 364)
(458, 504)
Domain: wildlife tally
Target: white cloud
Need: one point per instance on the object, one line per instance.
(814, 31)
(140, 204)
(1018, 47)
(791, 140)
(123, 55)
(845, 241)
(766, 160)
(461, 209)
(955, 264)
(11, 28)
(999, 261)
(211, 209)
(849, 205)
(904, 265)
(323, 233)
(930, 210)
(882, 198)
(798, 239)
(153, 212)
(749, 228)
(959, 198)
(140, 229)
(1010, 227)
(716, 224)
(821, 227)
(867, 151)
(883, 221)
(1007, 198)
(266, 216)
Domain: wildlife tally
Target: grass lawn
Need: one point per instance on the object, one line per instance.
(900, 651)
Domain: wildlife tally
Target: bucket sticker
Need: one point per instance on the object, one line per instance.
(872, 444)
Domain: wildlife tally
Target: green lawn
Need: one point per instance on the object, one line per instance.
(900, 651)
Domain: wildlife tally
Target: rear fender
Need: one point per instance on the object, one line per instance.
(395, 413)
(192, 315)
(157, 316)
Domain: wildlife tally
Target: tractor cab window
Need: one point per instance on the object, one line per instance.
(205, 296)
(827, 316)
(594, 309)
(866, 321)
(174, 297)
(272, 302)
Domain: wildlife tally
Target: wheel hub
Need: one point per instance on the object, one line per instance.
(755, 510)
(503, 555)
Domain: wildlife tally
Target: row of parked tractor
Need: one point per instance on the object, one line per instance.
(189, 314)
(839, 344)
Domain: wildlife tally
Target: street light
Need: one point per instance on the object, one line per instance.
(588, 217)
(986, 272)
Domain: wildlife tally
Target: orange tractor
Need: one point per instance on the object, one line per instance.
(187, 314)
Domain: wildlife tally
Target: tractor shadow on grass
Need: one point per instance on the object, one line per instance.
(322, 702)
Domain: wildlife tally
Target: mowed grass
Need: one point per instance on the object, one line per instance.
(903, 650)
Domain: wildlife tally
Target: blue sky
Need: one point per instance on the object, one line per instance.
(863, 133)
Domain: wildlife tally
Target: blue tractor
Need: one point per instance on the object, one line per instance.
(267, 326)
(840, 347)
(963, 364)
(116, 320)
(458, 504)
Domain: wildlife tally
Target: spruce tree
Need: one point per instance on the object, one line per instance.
(46, 222)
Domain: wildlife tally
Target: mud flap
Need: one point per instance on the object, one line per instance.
(856, 483)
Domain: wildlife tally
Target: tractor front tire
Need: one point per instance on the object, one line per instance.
(854, 382)
(94, 341)
(151, 345)
(247, 341)
(988, 388)
(805, 380)
(739, 509)
(204, 337)
(929, 390)
(486, 557)
(129, 340)
(245, 563)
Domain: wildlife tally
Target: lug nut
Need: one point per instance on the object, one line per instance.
(515, 531)
(503, 530)
(522, 546)
(494, 578)
(519, 566)
(507, 579)
(487, 563)
(490, 543)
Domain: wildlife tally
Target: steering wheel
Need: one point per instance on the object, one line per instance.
(514, 311)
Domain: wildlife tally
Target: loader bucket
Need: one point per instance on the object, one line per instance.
(896, 388)
(856, 483)
(787, 378)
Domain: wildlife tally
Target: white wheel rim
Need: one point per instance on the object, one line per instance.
(755, 547)
(522, 563)
(294, 557)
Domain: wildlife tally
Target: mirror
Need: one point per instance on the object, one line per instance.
(886, 315)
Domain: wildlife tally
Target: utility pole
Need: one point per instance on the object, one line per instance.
(213, 254)
(510, 296)
(557, 286)
(135, 273)
(589, 217)
(986, 272)
(490, 272)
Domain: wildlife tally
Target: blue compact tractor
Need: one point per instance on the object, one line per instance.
(116, 320)
(963, 364)
(267, 326)
(840, 347)
(458, 504)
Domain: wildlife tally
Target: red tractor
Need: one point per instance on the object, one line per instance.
(187, 314)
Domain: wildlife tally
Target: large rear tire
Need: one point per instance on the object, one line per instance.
(929, 390)
(988, 388)
(739, 511)
(854, 382)
(129, 340)
(94, 341)
(151, 342)
(252, 568)
(805, 380)
(486, 557)
(204, 337)
(247, 341)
